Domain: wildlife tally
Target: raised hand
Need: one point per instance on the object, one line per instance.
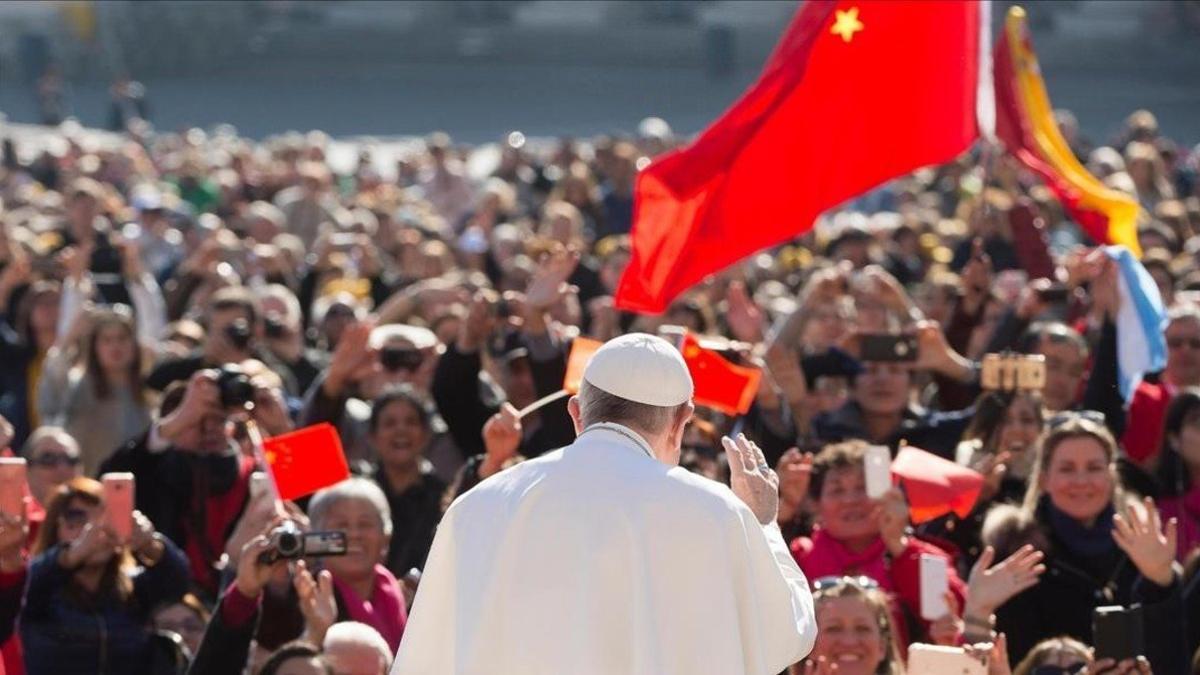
(93, 539)
(751, 478)
(892, 515)
(549, 281)
(252, 573)
(201, 398)
(744, 317)
(990, 586)
(946, 630)
(317, 602)
(501, 438)
(478, 324)
(1138, 666)
(993, 467)
(13, 531)
(795, 474)
(352, 360)
(1142, 537)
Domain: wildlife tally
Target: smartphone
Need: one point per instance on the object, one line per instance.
(889, 348)
(934, 584)
(939, 660)
(118, 503)
(1118, 632)
(12, 486)
(1031, 373)
(343, 241)
(877, 468)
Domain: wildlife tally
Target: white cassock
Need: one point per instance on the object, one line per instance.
(597, 559)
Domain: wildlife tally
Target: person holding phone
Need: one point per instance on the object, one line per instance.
(89, 597)
(855, 534)
(1101, 548)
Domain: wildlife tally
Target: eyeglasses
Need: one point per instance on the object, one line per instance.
(1060, 418)
(51, 460)
(1176, 343)
(75, 517)
(825, 583)
(1059, 670)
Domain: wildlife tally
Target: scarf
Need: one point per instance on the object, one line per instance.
(384, 610)
(1081, 539)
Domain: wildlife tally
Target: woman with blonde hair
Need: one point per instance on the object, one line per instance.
(1101, 547)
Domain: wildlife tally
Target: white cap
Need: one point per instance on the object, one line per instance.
(421, 338)
(641, 368)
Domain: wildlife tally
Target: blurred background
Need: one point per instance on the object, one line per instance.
(479, 69)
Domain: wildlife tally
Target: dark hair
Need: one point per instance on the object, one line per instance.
(990, 410)
(24, 313)
(844, 455)
(406, 394)
(117, 316)
(1172, 473)
(1054, 331)
(296, 649)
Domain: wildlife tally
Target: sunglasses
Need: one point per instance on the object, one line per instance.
(75, 517)
(1059, 670)
(1060, 418)
(861, 581)
(1176, 343)
(51, 460)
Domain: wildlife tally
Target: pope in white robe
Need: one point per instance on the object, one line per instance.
(606, 558)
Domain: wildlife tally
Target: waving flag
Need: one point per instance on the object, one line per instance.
(1141, 323)
(1025, 123)
(856, 93)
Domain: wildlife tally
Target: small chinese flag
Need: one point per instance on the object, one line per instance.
(306, 460)
(935, 486)
(718, 383)
(581, 351)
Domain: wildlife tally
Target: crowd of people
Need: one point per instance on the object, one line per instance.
(419, 309)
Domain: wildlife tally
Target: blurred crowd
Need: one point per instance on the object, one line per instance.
(418, 307)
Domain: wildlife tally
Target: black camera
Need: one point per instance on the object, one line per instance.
(399, 358)
(239, 333)
(289, 543)
(235, 386)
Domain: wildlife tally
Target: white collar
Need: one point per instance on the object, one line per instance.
(622, 430)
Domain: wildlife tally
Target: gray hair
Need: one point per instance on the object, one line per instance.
(352, 488)
(48, 431)
(354, 633)
(597, 405)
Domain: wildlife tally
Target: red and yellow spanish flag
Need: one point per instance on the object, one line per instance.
(1025, 124)
(856, 93)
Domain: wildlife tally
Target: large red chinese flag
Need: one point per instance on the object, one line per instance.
(306, 460)
(855, 93)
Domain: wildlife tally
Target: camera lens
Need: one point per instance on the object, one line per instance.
(239, 333)
(235, 387)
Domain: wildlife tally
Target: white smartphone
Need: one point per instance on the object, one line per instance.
(939, 660)
(118, 503)
(934, 584)
(877, 469)
(12, 486)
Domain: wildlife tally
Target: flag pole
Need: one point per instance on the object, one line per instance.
(542, 402)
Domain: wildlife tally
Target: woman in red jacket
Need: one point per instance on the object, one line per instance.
(856, 535)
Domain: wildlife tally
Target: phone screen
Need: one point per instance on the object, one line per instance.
(877, 470)
(118, 503)
(934, 584)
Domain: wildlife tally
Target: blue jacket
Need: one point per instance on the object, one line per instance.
(62, 638)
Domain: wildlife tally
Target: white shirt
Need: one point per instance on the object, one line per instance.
(597, 559)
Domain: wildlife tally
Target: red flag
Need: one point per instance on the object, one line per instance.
(935, 486)
(855, 93)
(718, 383)
(306, 460)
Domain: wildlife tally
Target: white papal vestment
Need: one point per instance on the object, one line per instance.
(597, 559)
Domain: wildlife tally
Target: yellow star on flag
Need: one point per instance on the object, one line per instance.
(846, 24)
